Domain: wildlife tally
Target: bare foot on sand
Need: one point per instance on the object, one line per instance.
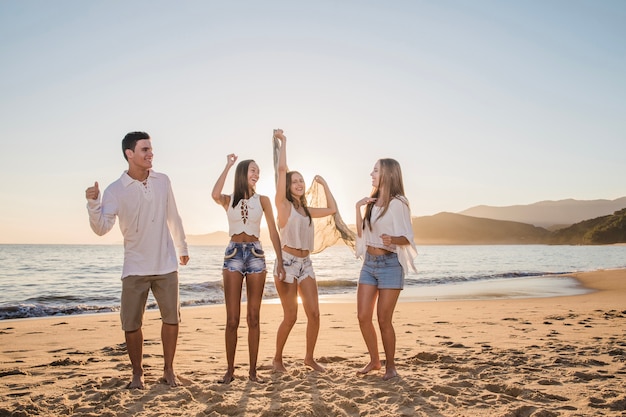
(390, 374)
(169, 378)
(372, 366)
(314, 365)
(278, 366)
(227, 379)
(136, 383)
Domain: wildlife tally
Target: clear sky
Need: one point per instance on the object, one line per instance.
(481, 102)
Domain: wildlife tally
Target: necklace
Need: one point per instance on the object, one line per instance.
(143, 181)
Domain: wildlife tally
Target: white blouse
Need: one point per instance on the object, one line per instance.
(299, 232)
(395, 222)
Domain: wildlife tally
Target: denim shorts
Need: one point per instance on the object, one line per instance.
(296, 268)
(383, 271)
(245, 258)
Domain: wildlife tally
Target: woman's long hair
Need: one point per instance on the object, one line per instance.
(290, 197)
(390, 183)
(241, 190)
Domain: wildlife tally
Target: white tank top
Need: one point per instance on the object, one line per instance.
(245, 217)
(297, 233)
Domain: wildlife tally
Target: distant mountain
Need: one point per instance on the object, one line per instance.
(209, 239)
(456, 229)
(599, 231)
(549, 213)
(459, 229)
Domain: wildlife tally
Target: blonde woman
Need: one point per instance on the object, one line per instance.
(385, 242)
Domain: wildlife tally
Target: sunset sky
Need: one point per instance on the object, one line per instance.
(482, 102)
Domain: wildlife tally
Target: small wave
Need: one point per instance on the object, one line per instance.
(202, 286)
(457, 279)
(23, 311)
(201, 302)
(67, 299)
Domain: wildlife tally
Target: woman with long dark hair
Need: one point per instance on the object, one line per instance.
(244, 257)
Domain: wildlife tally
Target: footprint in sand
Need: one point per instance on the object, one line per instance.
(331, 359)
(66, 362)
(13, 372)
(16, 394)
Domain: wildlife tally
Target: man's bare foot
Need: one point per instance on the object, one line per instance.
(372, 366)
(278, 366)
(136, 383)
(227, 379)
(391, 373)
(169, 378)
(314, 365)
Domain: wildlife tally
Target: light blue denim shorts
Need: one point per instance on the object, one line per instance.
(245, 258)
(382, 271)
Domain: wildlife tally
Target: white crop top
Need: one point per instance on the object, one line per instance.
(245, 217)
(395, 222)
(298, 233)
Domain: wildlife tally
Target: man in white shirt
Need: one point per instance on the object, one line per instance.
(153, 233)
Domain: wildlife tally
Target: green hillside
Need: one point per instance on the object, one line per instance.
(599, 231)
(457, 229)
(449, 228)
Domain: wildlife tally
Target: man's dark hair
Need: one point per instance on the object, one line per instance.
(130, 141)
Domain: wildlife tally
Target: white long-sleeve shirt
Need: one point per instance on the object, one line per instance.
(149, 221)
(395, 222)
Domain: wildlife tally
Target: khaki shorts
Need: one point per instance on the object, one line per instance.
(135, 290)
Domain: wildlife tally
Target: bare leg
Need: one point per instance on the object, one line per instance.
(169, 338)
(366, 299)
(310, 302)
(387, 300)
(134, 347)
(289, 300)
(255, 284)
(233, 282)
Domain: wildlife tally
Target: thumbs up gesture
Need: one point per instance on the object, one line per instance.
(92, 193)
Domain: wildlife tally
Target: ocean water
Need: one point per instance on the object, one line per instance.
(51, 280)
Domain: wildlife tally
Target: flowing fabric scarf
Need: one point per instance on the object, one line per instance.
(328, 229)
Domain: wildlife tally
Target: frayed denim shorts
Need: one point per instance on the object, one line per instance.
(382, 271)
(296, 268)
(245, 258)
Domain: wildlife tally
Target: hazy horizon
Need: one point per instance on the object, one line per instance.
(482, 103)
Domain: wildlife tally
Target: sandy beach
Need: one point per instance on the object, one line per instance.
(562, 356)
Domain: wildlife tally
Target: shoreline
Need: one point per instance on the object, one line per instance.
(95, 284)
(559, 285)
(553, 356)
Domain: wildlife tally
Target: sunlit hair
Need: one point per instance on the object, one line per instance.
(390, 183)
(291, 198)
(241, 190)
(130, 141)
